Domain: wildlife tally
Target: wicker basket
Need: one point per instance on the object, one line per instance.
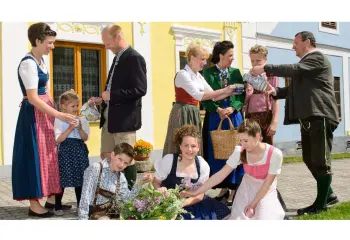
(224, 141)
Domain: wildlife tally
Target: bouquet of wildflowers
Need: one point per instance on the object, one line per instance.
(150, 204)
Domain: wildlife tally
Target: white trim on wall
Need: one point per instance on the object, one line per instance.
(185, 35)
(142, 44)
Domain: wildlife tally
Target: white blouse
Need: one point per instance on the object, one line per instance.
(28, 72)
(193, 83)
(61, 126)
(163, 168)
(275, 162)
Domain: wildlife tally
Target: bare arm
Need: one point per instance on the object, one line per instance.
(34, 99)
(65, 134)
(211, 182)
(83, 135)
(275, 110)
(219, 94)
(193, 200)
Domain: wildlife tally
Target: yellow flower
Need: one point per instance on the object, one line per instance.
(162, 218)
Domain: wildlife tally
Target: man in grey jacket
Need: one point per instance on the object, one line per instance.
(310, 101)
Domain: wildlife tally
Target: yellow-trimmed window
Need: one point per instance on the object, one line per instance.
(77, 66)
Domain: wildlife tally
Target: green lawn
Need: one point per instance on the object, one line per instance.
(298, 159)
(340, 211)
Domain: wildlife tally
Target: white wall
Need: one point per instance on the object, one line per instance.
(14, 48)
(142, 44)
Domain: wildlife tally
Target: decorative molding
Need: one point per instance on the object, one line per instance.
(185, 35)
(230, 28)
(205, 43)
(142, 30)
(230, 35)
(180, 30)
(85, 28)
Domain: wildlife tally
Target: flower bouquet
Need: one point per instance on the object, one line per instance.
(186, 184)
(143, 150)
(150, 204)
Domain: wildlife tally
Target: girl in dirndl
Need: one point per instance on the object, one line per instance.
(256, 197)
(73, 153)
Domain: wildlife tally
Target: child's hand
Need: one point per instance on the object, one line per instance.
(249, 211)
(163, 191)
(147, 178)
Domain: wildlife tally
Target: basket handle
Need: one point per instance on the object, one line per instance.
(230, 122)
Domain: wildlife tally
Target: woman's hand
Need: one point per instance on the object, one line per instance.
(222, 113)
(229, 111)
(68, 118)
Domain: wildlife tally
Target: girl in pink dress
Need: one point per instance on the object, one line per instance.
(256, 197)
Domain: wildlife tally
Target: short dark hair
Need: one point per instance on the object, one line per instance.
(220, 48)
(39, 31)
(125, 148)
(305, 35)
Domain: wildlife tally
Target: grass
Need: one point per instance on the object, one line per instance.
(298, 159)
(340, 211)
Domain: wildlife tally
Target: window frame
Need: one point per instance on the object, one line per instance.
(330, 30)
(77, 46)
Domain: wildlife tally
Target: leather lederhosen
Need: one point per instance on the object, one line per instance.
(105, 209)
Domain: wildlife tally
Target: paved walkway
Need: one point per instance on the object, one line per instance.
(296, 185)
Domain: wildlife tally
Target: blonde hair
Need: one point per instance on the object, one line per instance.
(68, 96)
(113, 30)
(258, 49)
(194, 50)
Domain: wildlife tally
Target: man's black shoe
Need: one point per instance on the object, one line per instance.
(310, 210)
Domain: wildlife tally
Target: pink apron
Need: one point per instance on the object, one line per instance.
(269, 208)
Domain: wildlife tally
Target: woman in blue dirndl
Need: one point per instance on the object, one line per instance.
(219, 76)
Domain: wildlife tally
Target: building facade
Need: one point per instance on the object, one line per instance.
(332, 38)
(80, 62)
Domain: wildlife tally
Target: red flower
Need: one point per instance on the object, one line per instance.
(131, 218)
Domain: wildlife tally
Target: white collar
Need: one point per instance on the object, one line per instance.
(308, 54)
